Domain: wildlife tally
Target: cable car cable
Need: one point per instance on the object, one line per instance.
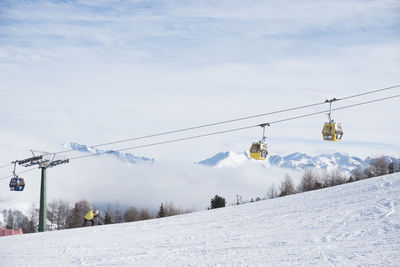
(10, 176)
(233, 130)
(370, 92)
(196, 127)
(5, 165)
(229, 121)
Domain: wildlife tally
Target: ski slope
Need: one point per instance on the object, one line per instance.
(347, 225)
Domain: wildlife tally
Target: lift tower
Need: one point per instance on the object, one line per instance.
(43, 163)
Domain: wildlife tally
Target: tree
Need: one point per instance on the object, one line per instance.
(171, 210)
(272, 192)
(309, 181)
(52, 209)
(217, 202)
(117, 214)
(391, 167)
(334, 177)
(63, 210)
(10, 219)
(108, 219)
(132, 214)
(379, 166)
(161, 212)
(32, 226)
(76, 215)
(145, 214)
(287, 187)
(358, 174)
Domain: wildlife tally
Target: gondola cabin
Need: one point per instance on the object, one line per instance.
(258, 151)
(332, 131)
(17, 184)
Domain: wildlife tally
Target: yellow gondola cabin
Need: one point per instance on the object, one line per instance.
(332, 131)
(258, 151)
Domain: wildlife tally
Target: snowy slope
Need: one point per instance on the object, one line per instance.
(347, 225)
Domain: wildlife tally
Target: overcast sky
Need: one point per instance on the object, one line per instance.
(99, 71)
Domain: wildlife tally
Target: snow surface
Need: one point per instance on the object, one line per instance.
(347, 225)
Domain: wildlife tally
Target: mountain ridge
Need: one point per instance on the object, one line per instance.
(296, 161)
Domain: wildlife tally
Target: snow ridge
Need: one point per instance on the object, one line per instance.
(125, 157)
(296, 161)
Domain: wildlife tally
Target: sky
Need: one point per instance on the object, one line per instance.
(99, 71)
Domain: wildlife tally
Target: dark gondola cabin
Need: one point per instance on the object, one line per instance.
(258, 151)
(17, 184)
(332, 131)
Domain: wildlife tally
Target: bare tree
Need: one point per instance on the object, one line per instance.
(32, 226)
(272, 192)
(287, 187)
(379, 166)
(63, 210)
(309, 181)
(117, 214)
(131, 214)
(358, 174)
(171, 210)
(52, 209)
(145, 214)
(10, 220)
(334, 177)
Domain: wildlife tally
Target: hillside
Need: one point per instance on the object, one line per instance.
(351, 224)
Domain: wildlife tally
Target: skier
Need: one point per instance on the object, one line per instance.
(89, 217)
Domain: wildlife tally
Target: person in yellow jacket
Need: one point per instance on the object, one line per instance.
(89, 217)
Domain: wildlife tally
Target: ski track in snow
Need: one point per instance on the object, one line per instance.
(347, 225)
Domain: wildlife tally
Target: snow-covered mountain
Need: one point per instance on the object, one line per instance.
(226, 159)
(355, 224)
(125, 157)
(296, 161)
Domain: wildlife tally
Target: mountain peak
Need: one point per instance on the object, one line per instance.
(296, 161)
(226, 159)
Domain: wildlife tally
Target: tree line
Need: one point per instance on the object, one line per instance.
(312, 180)
(62, 215)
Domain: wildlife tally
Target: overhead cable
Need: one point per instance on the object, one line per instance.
(229, 121)
(10, 176)
(235, 129)
(5, 165)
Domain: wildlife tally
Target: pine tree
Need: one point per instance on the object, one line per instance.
(217, 202)
(391, 167)
(108, 219)
(161, 212)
